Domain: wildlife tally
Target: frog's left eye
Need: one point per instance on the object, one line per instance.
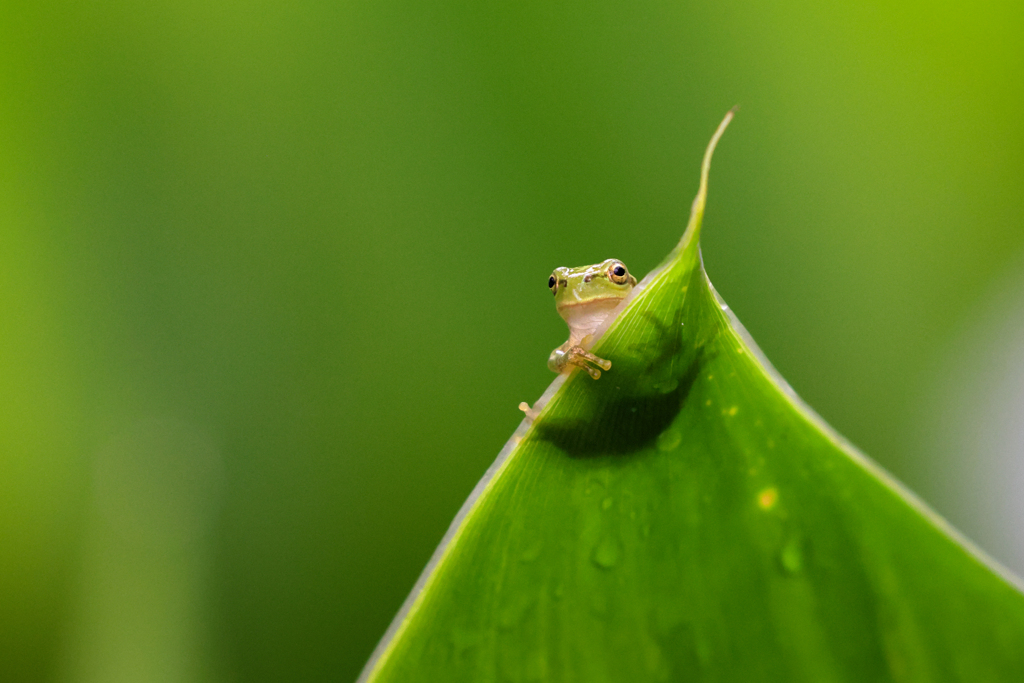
(618, 274)
(553, 283)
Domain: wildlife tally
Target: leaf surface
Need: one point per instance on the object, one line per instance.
(687, 518)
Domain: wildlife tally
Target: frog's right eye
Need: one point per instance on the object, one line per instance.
(553, 283)
(617, 273)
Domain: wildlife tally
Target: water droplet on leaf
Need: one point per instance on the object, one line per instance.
(669, 440)
(668, 386)
(514, 613)
(531, 553)
(463, 640)
(767, 498)
(606, 553)
(792, 556)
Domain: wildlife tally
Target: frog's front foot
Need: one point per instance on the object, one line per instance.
(581, 358)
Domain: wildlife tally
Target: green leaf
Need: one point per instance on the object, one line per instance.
(687, 517)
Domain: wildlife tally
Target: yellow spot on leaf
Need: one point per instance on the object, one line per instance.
(767, 498)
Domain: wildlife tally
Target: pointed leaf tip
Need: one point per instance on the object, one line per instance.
(697, 210)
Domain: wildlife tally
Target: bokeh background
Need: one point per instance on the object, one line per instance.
(272, 282)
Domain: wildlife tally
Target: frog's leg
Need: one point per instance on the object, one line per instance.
(580, 357)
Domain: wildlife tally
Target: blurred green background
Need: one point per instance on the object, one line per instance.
(272, 282)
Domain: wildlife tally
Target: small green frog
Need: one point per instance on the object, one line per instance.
(585, 297)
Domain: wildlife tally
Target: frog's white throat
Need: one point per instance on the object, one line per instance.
(584, 318)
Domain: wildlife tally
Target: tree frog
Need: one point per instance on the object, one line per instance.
(585, 297)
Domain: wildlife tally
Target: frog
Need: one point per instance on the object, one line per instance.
(585, 297)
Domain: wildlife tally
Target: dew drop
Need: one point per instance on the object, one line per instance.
(669, 440)
(767, 498)
(514, 613)
(531, 553)
(687, 652)
(606, 553)
(792, 556)
(668, 386)
(463, 640)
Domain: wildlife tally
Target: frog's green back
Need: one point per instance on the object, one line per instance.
(686, 518)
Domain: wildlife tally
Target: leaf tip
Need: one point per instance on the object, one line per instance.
(697, 210)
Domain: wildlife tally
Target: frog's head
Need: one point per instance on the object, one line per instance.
(590, 292)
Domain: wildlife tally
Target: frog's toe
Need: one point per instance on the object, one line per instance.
(581, 354)
(584, 363)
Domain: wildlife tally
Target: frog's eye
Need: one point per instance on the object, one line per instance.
(553, 283)
(618, 274)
